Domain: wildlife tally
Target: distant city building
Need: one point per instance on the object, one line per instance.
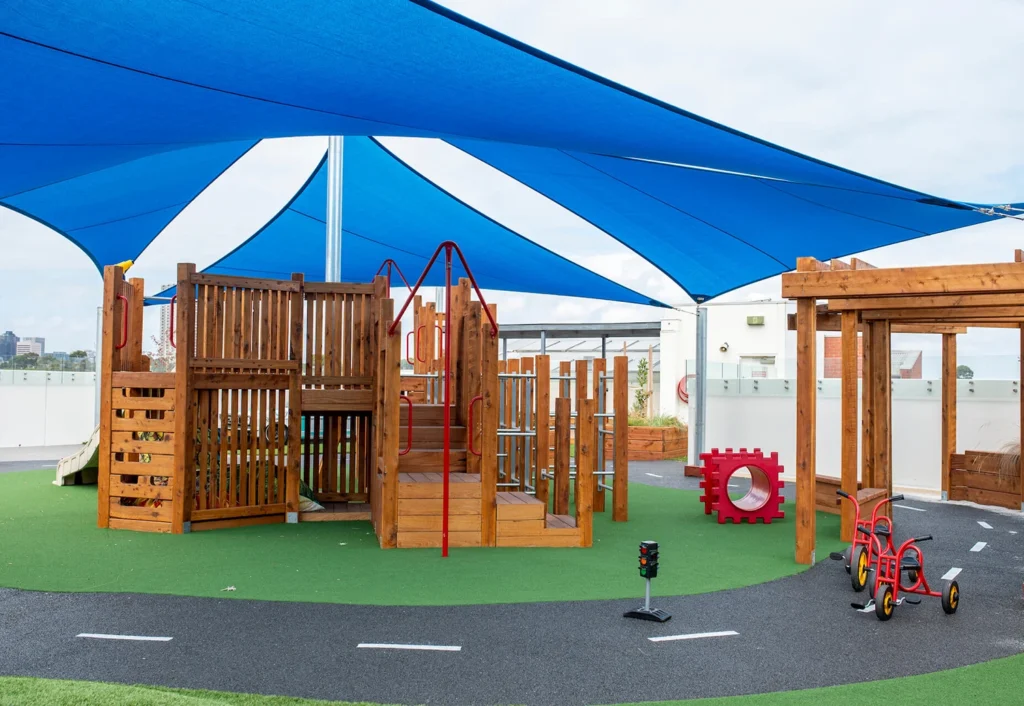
(8, 345)
(30, 345)
(59, 355)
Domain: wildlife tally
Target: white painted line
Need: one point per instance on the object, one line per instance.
(733, 485)
(952, 573)
(907, 507)
(653, 475)
(867, 609)
(985, 524)
(1013, 531)
(142, 638)
(979, 546)
(693, 636)
(430, 648)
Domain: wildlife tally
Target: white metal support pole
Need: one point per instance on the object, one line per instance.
(335, 161)
(700, 413)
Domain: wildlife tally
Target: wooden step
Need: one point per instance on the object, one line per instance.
(419, 540)
(432, 460)
(431, 485)
(431, 437)
(561, 522)
(519, 506)
(427, 414)
(434, 506)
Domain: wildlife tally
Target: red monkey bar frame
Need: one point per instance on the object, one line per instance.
(447, 246)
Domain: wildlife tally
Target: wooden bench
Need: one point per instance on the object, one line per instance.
(826, 500)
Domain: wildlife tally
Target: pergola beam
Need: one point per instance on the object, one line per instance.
(904, 281)
(927, 302)
(960, 313)
(831, 321)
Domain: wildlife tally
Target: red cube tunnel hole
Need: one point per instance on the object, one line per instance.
(749, 488)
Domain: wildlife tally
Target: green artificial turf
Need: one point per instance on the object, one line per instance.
(51, 543)
(995, 682)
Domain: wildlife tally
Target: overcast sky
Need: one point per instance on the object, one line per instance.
(923, 94)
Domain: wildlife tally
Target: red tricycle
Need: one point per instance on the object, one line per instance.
(888, 578)
(861, 556)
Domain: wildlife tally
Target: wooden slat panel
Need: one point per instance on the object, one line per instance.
(212, 280)
(520, 528)
(119, 489)
(489, 432)
(158, 465)
(585, 457)
(456, 506)
(140, 525)
(946, 279)
(132, 512)
(337, 288)
(139, 423)
(348, 380)
(548, 539)
(119, 400)
(245, 364)
(432, 523)
(232, 512)
(225, 381)
(238, 522)
(143, 380)
(337, 400)
(434, 490)
(422, 540)
(122, 442)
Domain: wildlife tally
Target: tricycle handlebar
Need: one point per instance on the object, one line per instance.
(896, 498)
(842, 493)
(925, 538)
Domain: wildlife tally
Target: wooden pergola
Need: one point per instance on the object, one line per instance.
(877, 302)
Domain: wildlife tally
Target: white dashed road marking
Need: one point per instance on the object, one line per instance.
(429, 648)
(979, 546)
(985, 524)
(653, 475)
(692, 636)
(142, 638)
(952, 573)
(907, 507)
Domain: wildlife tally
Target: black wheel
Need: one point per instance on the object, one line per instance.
(859, 569)
(884, 603)
(846, 558)
(271, 428)
(912, 576)
(950, 597)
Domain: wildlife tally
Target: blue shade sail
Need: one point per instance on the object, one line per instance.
(103, 76)
(713, 231)
(391, 211)
(113, 214)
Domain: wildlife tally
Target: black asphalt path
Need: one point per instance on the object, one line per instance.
(794, 633)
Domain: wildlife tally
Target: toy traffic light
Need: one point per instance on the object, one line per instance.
(649, 559)
(648, 570)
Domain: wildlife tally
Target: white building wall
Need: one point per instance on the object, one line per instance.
(762, 414)
(40, 408)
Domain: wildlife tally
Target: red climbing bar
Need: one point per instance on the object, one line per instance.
(469, 425)
(170, 331)
(408, 434)
(389, 264)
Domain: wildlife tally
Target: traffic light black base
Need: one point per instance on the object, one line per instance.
(656, 615)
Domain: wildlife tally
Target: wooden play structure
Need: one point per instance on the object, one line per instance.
(941, 300)
(288, 388)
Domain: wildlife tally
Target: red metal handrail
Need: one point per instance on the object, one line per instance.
(448, 247)
(408, 349)
(124, 324)
(170, 334)
(469, 425)
(408, 435)
(389, 263)
(423, 359)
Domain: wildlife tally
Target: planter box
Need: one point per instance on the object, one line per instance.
(652, 443)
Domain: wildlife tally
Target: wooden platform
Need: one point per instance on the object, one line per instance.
(420, 509)
(338, 512)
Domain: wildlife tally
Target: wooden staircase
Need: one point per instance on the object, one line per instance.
(523, 521)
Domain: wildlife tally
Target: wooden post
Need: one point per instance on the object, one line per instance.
(582, 393)
(472, 371)
(867, 447)
(294, 459)
(543, 424)
(563, 420)
(417, 320)
(430, 340)
(184, 430)
(461, 295)
(598, 447)
(806, 427)
(585, 471)
(882, 391)
(620, 494)
(390, 427)
(489, 432)
(530, 472)
(111, 279)
(948, 443)
(849, 421)
(136, 302)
